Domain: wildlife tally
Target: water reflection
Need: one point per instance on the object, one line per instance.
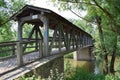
(88, 65)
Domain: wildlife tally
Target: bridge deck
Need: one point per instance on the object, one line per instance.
(27, 68)
(11, 63)
(9, 69)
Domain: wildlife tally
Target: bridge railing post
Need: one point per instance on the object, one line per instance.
(40, 49)
(19, 52)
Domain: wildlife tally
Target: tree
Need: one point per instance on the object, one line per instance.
(7, 8)
(104, 14)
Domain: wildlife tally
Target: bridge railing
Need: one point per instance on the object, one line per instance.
(7, 49)
(15, 53)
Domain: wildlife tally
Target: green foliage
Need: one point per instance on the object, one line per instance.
(7, 8)
(70, 55)
(71, 73)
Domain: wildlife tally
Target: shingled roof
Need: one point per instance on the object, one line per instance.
(54, 18)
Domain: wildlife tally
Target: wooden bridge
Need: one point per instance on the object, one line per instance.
(51, 35)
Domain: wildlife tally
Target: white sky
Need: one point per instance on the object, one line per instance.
(49, 5)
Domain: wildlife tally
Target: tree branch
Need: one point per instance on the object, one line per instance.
(104, 10)
(76, 2)
(81, 17)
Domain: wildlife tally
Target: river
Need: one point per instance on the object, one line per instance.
(88, 65)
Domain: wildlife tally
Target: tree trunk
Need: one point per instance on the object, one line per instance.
(104, 52)
(113, 57)
(105, 64)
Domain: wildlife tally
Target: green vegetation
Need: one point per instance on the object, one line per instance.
(72, 73)
(102, 21)
(70, 55)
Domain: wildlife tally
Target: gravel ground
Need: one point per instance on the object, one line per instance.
(11, 63)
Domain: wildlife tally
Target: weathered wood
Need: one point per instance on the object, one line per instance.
(60, 39)
(29, 38)
(19, 52)
(20, 31)
(45, 21)
(31, 17)
(36, 37)
(53, 39)
(40, 33)
(40, 49)
(13, 50)
(73, 39)
(81, 39)
(70, 39)
(77, 41)
(65, 41)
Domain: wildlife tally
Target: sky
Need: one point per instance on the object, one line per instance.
(49, 5)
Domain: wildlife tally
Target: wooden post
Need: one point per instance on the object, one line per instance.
(53, 39)
(67, 40)
(13, 50)
(20, 31)
(36, 36)
(19, 52)
(45, 21)
(40, 49)
(60, 39)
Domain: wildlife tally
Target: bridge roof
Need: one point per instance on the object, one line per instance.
(54, 18)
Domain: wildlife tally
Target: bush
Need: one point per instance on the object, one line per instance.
(70, 55)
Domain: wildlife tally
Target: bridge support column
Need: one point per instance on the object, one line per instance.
(83, 54)
(53, 67)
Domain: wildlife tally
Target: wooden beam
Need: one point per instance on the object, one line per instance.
(73, 39)
(65, 41)
(20, 23)
(31, 17)
(53, 39)
(30, 36)
(40, 33)
(60, 39)
(45, 21)
(36, 37)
